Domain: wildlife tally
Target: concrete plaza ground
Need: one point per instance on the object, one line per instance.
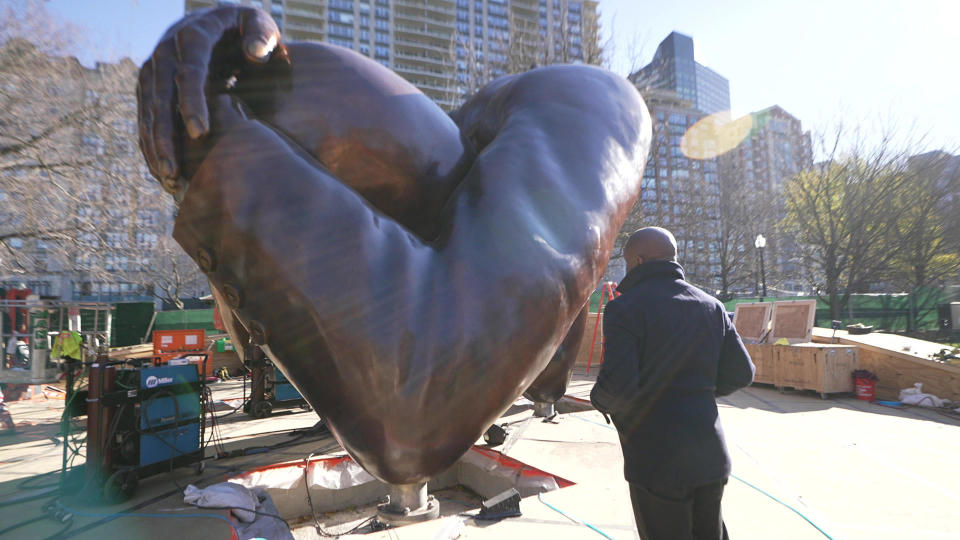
(849, 468)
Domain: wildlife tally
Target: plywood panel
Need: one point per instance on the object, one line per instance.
(897, 369)
(895, 374)
(793, 320)
(796, 367)
(836, 369)
(763, 360)
(587, 341)
(752, 320)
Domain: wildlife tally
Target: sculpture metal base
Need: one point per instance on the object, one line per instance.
(408, 503)
(543, 409)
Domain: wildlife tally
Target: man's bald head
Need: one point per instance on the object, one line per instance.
(649, 244)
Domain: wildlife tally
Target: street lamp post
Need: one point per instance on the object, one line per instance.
(761, 243)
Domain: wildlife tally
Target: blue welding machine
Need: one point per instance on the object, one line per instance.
(283, 390)
(169, 413)
(164, 426)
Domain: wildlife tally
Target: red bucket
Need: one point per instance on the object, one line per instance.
(866, 389)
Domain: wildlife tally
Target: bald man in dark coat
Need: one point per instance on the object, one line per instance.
(670, 350)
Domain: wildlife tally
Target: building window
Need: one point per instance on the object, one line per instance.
(340, 17)
(341, 31)
(341, 42)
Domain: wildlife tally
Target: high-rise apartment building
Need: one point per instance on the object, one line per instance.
(80, 216)
(447, 48)
(680, 192)
(775, 150)
(674, 68)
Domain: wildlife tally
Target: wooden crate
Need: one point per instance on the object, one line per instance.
(584, 354)
(763, 356)
(812, 366)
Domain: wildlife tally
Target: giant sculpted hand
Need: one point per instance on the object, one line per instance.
(411, 327)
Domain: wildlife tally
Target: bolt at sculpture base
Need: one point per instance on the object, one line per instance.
(543, 409)
(408, 503)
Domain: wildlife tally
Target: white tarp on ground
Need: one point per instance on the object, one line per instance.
(338, 483)
(320, 473)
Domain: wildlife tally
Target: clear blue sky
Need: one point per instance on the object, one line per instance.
(863, 60)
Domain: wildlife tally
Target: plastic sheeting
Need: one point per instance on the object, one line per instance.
(336, 473)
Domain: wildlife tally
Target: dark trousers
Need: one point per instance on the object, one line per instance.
(679, 513)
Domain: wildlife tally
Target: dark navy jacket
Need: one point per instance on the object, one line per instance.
(670, 349)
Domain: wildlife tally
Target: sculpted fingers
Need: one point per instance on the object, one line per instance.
(173, 81)
(260, 35)
(258, 38)
(145, 117)
(194, 45)
(160, 109)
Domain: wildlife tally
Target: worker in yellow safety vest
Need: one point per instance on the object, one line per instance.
(68, 344)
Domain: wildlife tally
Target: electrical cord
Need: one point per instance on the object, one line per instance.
(795, 511)
(27, 483)
(359, 526)
(55, 508)
(147, 515)
(257, 512)
(28, 498)
(23, 523)
(574, 518)
(805, 518)
(313, 510)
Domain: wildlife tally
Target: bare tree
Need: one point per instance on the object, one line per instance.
(523, 44)
(76, 202)
(742, 209)
(842, 213)
(31, 21)
(924, 240)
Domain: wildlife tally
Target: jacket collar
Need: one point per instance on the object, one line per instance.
(648, 270)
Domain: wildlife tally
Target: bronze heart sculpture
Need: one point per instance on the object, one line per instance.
(409, 319)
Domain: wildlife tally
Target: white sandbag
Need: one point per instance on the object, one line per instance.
(916, 396)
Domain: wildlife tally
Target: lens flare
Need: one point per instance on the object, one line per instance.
(715, 135)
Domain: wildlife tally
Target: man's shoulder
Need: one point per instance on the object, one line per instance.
(700, 294)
